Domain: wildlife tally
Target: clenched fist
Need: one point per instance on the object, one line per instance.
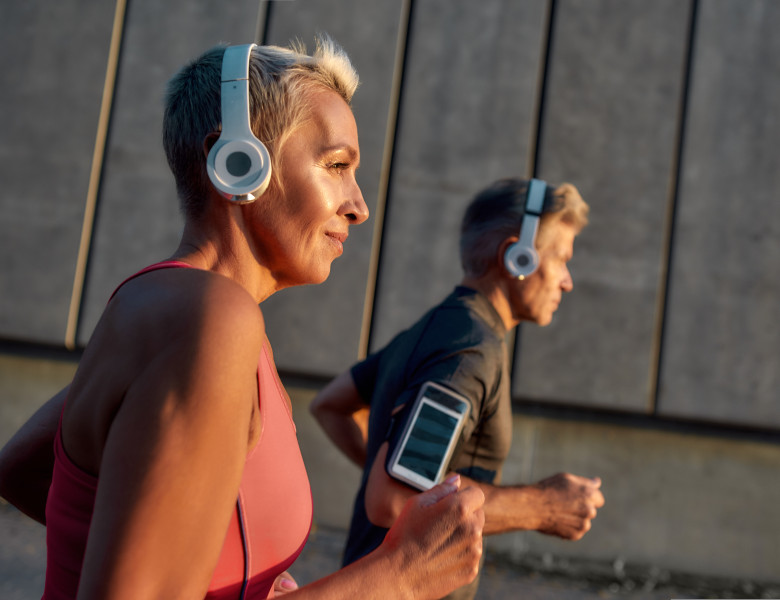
(567, 504)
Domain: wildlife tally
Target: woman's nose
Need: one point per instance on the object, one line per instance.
(355, 207)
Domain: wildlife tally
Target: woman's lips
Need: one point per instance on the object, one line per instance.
(338, 239)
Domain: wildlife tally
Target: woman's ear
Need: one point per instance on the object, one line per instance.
(209, 141)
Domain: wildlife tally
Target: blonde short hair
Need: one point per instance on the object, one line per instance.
(280, 82)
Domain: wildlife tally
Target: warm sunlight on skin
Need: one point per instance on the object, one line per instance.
(304, 226)
(537, 298)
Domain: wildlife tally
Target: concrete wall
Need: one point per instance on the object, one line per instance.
(659, 372)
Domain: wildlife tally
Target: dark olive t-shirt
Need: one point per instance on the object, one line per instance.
(461, 344)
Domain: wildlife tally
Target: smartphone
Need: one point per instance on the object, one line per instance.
(429, 436)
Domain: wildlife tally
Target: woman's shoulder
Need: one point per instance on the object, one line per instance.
(194, 299)
(165, 339)
(172, 315)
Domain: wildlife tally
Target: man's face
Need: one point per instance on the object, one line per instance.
(538, 296)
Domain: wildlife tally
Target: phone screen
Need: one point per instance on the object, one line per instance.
(428, 441)
(419, 453)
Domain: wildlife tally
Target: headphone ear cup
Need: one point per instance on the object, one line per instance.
(521, 260)
(240, 168)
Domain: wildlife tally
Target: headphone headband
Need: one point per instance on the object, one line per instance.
(238, 164)
(235, 91)
(534, 202)
(521, 258)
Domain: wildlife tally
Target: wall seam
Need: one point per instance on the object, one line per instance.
(388, 155)
(95, 176)
(654, 377)
(514, 338)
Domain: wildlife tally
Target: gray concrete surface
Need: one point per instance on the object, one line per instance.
(23, 561)
(611, 109)
(721, 352)
(468, 113)
(47, 152)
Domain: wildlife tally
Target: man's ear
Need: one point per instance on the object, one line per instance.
(501, 254)
(209, 141)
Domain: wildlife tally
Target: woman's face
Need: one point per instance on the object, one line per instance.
(302, 227)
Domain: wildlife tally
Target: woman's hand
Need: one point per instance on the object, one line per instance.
(439, 535)
(27, 460)
(433, 548)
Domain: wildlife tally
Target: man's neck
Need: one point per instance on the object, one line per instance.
(490, 287)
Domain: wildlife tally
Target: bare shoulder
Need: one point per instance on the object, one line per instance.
(179, 341)
(208, 333)
(224, 304)
(177, 306)
(208, 322)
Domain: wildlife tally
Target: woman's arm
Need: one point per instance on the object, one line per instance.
(172, 462)
(27, 460)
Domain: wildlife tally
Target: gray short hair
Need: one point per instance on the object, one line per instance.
(280, 80)
(496, 213)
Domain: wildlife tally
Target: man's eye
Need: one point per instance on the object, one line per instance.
(338, 167)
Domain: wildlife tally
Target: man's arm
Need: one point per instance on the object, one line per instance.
(27, 460)
(562, 505)
(343, 415)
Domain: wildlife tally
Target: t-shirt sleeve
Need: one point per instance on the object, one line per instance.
(364, 375)
(470, 373)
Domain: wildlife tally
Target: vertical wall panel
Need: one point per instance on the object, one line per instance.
(680, 502)
(138, 220)
(466, 119)
(610, 119)
(51, 86)
(722, 344)
(316, 329)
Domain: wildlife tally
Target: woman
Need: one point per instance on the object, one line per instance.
(177, 470)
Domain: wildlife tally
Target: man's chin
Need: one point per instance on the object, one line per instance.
(544, 321)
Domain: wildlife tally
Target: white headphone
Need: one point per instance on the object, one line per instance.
(238, 164)
(521, 258)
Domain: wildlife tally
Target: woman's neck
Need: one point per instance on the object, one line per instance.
(223, 248)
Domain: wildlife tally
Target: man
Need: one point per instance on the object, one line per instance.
(512, 273)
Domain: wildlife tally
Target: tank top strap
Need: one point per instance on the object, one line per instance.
(165, 264)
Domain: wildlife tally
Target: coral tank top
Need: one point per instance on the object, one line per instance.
(268, 528)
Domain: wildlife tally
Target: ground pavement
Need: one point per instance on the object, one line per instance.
(22, 565)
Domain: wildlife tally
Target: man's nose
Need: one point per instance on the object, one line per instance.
(567, 283)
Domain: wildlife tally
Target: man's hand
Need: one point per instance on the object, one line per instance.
(567, 504)
(284, 584)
